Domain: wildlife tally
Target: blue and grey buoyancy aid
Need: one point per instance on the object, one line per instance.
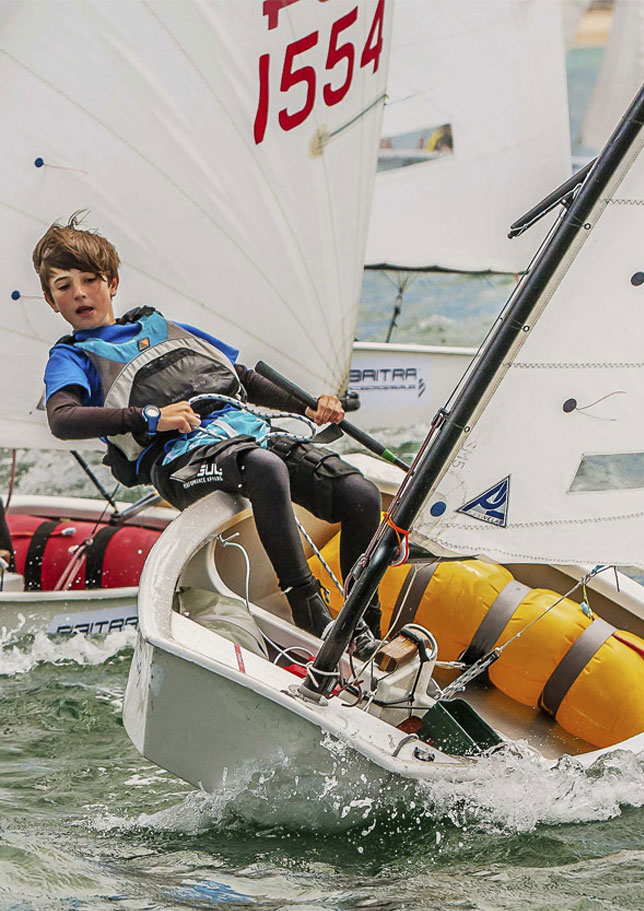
(160, 364)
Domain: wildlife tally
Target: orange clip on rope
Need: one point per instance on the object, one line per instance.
(403, 541)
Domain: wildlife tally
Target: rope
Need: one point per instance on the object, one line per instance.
(483, 663)
(267, 416)
(307, 537)
(76, 561)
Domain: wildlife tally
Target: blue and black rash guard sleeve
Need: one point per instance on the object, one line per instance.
(263, 392)
(69, 419)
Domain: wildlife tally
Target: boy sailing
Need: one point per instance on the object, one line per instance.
(128, 381)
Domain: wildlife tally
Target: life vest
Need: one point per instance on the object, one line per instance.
(160, 364)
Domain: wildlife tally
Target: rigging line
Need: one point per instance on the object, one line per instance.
(345, 126)
(602, 399)
(238, 246)
(478, 667)
(12, 477)
(436, 423)
(580, 584)
(276, 199)
(21, 334)
(307, 537)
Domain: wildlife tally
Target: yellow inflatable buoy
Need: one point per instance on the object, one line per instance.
(581, 670)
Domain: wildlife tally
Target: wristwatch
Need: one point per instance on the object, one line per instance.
(152, 415)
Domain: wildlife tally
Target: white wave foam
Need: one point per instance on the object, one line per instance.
(509, 792)
(513, 792)
(76, 649)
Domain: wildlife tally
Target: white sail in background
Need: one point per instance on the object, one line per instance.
(620, 75)
(553, 467)
(571, 14)
(227, 148)
(475, 133)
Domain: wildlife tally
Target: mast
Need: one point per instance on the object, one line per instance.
(515, 321)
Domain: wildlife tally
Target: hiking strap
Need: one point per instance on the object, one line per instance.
(95, 556)
(35, 555)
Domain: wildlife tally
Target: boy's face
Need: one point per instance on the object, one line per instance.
(84, 299)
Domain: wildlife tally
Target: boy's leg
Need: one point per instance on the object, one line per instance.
(266, 484)
(262, 477)
(335, 491)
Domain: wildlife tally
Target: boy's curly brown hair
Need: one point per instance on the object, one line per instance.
(69, 247)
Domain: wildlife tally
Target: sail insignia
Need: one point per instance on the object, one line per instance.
(491, 505)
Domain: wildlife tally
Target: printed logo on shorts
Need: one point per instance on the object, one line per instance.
(210, 472)
(207, 474)
(143, 343)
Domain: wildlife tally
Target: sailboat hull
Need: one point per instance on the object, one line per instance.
(216, 713)
(402, 386)
(96, 611)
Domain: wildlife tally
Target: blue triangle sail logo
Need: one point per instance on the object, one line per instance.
(491, 505)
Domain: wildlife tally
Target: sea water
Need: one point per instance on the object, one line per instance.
(87, 823)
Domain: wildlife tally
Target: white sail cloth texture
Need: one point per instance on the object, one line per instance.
(620, 75)
(227, 148)
(490, 74)
(552, 469)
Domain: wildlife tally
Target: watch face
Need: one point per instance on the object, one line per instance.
(152, 411)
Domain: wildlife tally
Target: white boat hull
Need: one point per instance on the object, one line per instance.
(215, 713)
(401, 387)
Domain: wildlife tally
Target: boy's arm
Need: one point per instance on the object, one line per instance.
(69, 419)
(263, 392)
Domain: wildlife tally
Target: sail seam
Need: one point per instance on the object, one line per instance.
(624, 202)
(558, 522)
(575, 365)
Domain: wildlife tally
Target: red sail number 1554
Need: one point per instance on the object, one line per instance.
(341, 52)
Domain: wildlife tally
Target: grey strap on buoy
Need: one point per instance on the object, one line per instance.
(573, 663)
(495, 620)
(410, 594)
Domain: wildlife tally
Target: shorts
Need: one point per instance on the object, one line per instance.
(312, 470)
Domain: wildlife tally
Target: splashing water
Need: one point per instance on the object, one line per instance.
(507, 793)
(22, 657)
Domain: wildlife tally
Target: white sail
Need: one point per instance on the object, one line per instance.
(620, 75)
(226, 147)
(571, 14)
(552, 469)
(486, 77)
